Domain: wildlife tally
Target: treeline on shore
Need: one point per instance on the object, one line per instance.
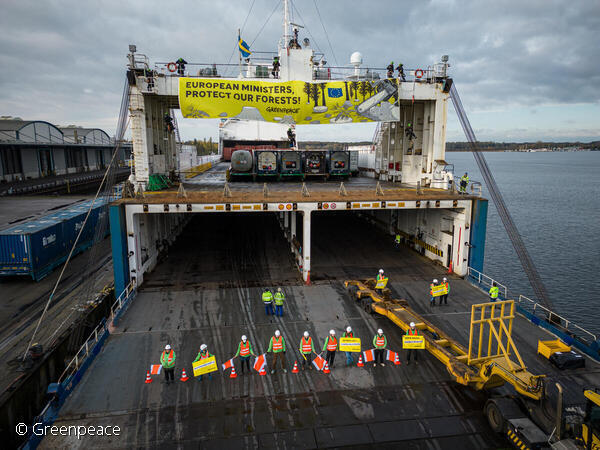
(507, 146)
(204, 147)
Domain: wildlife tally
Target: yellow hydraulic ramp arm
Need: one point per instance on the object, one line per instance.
(486, 363)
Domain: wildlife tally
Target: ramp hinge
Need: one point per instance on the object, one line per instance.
(378, 189)
(226, 190)
(343, 191)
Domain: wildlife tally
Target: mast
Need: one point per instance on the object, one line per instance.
(286, 23)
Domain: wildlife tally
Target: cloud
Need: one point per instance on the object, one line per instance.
(64, 61)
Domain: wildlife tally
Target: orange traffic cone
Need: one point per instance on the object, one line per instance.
(397, 360)
(450, 267)
(295, 369)
(233, 374)
(262, 372)
(148, 379)
(360, 361)
(184, 377)
(326, 368)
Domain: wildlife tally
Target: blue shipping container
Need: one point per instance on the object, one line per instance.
(37, 246)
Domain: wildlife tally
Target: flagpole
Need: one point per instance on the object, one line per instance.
(239, 52)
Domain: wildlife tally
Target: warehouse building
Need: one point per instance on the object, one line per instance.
(32, 149)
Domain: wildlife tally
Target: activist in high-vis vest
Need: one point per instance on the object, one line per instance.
(277, 347)
(494, 292)
(203, 354)
(279, 298)
(307, 348)
(267, 298)
(244, 351)
(331, 346)
(348, 334)
(167, 359)
(412, 331)
(380, 343)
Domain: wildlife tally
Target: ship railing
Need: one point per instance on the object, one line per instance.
(473, 188)
(122, 301)
(540, 310)
(79, 358)
(262, 66)
(484, 280)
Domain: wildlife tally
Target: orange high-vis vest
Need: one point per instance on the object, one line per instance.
(204, 355)
(170, 359)
(431, 288)
(244, 349)
(332, 344)
(277, 343)
(307, 345)
(412, 332)
(380, 342)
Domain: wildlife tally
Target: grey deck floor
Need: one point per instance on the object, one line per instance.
(208, 291)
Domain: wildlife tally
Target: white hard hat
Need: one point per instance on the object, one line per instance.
(348, 330)
(203, 347)
(380, 270)
(167, 347)
(444, 279)
(244, 338)
(277, 333)
(380, 331)
(306, 334)
(412, 324)
(435, 280)
(331, 331)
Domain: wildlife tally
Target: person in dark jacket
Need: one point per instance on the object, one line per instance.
(181, 66)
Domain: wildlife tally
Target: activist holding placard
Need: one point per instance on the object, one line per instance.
(412, 342)
(205, 363)
(349, 344)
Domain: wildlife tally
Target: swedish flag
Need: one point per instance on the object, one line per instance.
(244, 48)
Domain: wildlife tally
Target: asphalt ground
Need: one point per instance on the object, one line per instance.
(208, 290)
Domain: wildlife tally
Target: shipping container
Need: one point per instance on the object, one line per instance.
(315, 163)
(266, 162)
(37, 246)
(290, 163)
(339, 163)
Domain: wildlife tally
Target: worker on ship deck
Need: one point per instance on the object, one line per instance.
(276, 66)
(279, 298)
(412, 331)
(398, 239)
(380, 343)
(410, 134)
(444, 297)
(267, 298)
(433, 284)
(464, 181)
(494, 292)
(331, 346)
(390, 70)
(307, 348)
(400, 70)
(349, 334)
(203, 354)
(291, 137)
(181, 66)
(244, 351)
(277, 347)
(380, 276)
(167, 359)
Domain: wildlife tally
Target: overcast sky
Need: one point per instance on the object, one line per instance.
(526, 70)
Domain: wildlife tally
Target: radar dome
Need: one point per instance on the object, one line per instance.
(356, 59)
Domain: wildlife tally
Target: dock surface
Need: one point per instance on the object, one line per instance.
(208, 290)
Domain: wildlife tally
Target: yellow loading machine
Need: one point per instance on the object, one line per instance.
(491, 360)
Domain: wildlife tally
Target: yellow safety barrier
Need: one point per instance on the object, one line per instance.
(197, 170)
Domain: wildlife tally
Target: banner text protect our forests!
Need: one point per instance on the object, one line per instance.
(298, 102)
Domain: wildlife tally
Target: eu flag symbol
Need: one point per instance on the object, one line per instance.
(244, 48)
(334, 92)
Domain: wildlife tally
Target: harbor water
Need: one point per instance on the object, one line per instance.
(554, 198)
